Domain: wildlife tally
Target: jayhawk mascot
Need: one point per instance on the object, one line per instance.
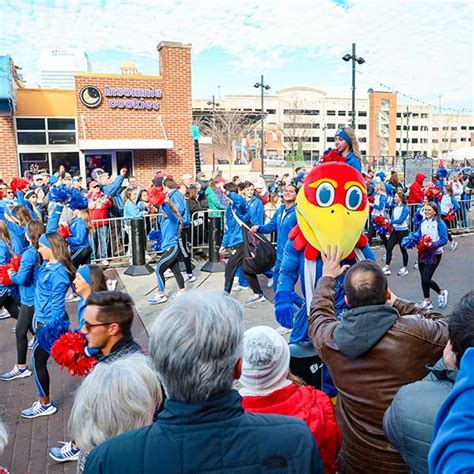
(332, 209)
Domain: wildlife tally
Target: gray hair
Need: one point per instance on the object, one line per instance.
(3, 437)
(195, 344)
(116, 397)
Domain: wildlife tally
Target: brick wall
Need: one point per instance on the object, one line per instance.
(8, 152)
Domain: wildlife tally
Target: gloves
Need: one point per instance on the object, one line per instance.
(284, 309)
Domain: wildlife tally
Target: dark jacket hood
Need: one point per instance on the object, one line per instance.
(361, 328)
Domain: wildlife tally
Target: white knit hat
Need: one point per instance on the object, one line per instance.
(266, 361)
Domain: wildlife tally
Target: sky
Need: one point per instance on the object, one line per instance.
(421, 48)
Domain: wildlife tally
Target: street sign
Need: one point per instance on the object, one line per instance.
(195, 132)
(417, 164)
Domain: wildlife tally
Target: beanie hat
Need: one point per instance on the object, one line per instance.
(341, 133)
(266, 362)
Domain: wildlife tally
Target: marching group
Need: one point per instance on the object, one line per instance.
(209, 396)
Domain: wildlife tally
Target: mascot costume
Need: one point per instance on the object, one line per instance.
(332, 209)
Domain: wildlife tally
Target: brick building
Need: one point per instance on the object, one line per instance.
(108, 121)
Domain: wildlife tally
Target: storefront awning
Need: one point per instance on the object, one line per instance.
(126, 144)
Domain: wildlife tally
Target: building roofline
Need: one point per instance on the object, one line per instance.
(301, 88)
(114, 75)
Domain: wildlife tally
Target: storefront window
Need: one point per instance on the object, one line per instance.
(125, 160)
(61, 124)
(69, 160)
(30, 124)
(31, 138)
(62, 138)
(33, 131)
(34, 162)
(103, 161)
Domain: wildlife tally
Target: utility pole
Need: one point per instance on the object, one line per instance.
(352, 57)
(214, 105)
(407, 114)
(263, 87)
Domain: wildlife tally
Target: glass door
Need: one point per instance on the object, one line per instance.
(98, 160)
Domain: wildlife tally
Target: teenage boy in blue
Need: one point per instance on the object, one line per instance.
(236, 214)
(282, 222)
(25, 278)
(177, 198)
(50, 320)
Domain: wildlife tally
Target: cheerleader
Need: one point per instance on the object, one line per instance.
(16, 221)
(170, 229)
(449, 205)
(399, 221)
(378, 209)
(25, 278)
(429, 257)
(50, 320)
(7, 298)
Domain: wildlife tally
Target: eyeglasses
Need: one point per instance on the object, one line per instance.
(88, 326)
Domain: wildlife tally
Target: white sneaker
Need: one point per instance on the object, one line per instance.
(255, 298)
(386, 270)
(270, 283)
(240, 288)
(4, 314)
(453, 246)
(415, 267)
(443, 299)
(426, 305)
(104, 262)
(403, 271)
(158, 298)
(189, 278)
(168, 274)
(111, 285)
(179, 293)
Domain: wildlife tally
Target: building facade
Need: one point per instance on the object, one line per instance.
(58, 66)
(107, 121)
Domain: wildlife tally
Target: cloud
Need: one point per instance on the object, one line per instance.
(424, 48)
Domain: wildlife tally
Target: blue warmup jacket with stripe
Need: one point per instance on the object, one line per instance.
(5, 257)
(179, 201)
(79, 239)
(257, 210)
(26, 276)
(169, 226)
(233, 230)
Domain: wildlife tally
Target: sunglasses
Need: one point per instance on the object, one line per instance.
(9, 192)
(88, 326)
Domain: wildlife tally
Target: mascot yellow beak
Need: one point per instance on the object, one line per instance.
(332, 207)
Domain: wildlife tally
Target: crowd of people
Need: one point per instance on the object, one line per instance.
(208, 396)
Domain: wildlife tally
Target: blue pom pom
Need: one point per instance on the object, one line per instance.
(155, 235)
(410, 241)
(77, 200)
(49, 333)
(60, 194)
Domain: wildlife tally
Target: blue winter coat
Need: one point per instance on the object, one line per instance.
(79, 235)
(26, 275)
(169, 226)
(452, 450)
(257, 211)
(282, 222)
(132, 209)
(51, 286)
(215, 436)
(233, 230)
(181, 205)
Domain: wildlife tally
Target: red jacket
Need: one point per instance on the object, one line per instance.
(416, 189)
(310, 405)
(98, 208)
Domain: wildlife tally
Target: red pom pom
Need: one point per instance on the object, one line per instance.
(156, 196)
(424, 245)
(332, 155)
(450, 216)
(64, 231)
(432, 192)
(381, 223)
(68, 352)
(18, 184)
(4, 277)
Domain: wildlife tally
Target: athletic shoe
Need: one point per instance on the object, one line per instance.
(386, 271)
(270, 283)
(403, 271)
(189, 278)
(426, 305)
(281, 330)
(443, 299)
(158, 298)
(255, 298)
(4, 314)
(72, 297)
(104, 262)
(240, 288)
(168, 274)
(16, 373)
(453, 246)
(415, 267)
(37, 409)
(111, 285)
(67, 452)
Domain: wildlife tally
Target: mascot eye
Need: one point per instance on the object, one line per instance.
(325, 194)
(353, 198)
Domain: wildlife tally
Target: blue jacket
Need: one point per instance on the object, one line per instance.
(132, 209)
(51, 286)
(17, 235)
(79, 235)
(233, 231)
(282, 222)
(353, 161)
(379, 204)
(442, 233)
(81, 309)
(5, 257)
(401, 215)
(452, 450)
(53, 222)
(213, 436)
(179, 201)
(169, 226)
(257, 211)
(26, 275)
(111, 189)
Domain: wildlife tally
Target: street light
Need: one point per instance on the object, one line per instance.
(214, 105)
(263, 88)
(407, 114)
(352, 57)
